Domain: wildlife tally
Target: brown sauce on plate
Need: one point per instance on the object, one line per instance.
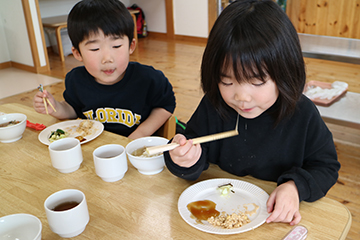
(202, 210)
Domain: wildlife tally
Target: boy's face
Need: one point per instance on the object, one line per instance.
(105, 57)
(249, 99)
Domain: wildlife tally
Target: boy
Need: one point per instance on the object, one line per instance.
(130, 99)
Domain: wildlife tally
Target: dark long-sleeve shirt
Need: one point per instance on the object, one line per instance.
(300, 148)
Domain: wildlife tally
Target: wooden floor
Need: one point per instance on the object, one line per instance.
(180, 62)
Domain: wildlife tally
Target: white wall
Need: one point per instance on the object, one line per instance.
(155, 14)
(186, 13)
(4, 53)
(15, 45)
(52, 8)
(191, 17)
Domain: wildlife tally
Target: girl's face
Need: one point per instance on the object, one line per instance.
(248, 98)
(105, 57)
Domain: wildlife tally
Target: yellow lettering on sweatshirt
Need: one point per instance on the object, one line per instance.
(111, 115)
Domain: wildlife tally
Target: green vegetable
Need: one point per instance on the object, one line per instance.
(58, 134)
(226, 189)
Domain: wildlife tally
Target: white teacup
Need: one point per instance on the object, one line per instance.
(110, 162)
(66, 155)
(73, 220)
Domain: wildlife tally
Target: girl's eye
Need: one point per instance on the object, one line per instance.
(94, 49)
(259, 84)
(226, 83)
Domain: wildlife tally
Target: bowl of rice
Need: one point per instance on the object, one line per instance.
(141, 160)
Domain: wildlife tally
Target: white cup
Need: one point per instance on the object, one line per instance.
(67, 223)
(66, 155)
(110, 162)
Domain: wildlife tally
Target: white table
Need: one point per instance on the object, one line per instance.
(345, 112)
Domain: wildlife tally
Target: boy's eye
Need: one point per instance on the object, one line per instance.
(117, 46)
(94, 49)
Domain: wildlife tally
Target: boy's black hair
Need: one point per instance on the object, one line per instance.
(90, 16)
(255, 37)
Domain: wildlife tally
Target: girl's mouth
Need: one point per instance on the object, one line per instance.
(246, 109)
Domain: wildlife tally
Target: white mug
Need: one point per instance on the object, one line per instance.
(66, 155)
(110, 162)
(67, 212)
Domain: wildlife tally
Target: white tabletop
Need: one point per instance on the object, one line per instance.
(347, 109)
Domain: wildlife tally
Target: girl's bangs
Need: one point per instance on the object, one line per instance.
(245, 67)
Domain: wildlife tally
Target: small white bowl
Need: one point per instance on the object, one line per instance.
(146, 165)
(14, 132)
(20, 226)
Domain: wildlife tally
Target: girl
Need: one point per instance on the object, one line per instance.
(253, 67)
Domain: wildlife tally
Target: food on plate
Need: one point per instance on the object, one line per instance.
(58, 134)
(226, 189)
(250, 212)
(13, 122)
(206, 210)
(80, 138)
(336, 89)
(203, 210)
(85, 128)
(229, 221)
(141, 152)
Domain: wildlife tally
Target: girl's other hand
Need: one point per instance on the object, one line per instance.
(283, 204)
(187, 154)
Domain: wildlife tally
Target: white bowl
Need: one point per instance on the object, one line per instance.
(146, 165)
(20, 226)
(14, 132)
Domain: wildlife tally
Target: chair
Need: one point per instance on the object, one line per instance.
(168, 130)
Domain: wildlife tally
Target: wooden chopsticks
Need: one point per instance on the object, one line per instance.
(45, 99)
(208, 138)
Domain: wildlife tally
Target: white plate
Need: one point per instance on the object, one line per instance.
(245, 193)
(70, 127)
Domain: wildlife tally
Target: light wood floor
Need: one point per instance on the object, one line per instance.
(180, 62)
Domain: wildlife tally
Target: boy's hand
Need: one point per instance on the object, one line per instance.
(284, 204)
(38, 102)
(187, 154)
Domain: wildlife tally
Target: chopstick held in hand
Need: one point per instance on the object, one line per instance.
(208, 138)
(41, 89)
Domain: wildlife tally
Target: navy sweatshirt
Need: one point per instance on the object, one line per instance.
(300, 148)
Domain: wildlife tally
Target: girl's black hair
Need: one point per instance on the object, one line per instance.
(89, 16)
(255, 37)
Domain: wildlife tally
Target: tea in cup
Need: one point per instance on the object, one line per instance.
(67, 212)
(110, 162)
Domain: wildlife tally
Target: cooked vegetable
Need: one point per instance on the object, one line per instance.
(13, 122)
(58, 134)
(226, 189)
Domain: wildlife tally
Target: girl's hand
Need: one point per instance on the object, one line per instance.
(187, 154)
(284, 204)
(38, 102)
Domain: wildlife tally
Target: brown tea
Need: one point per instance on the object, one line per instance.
(65, 206)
